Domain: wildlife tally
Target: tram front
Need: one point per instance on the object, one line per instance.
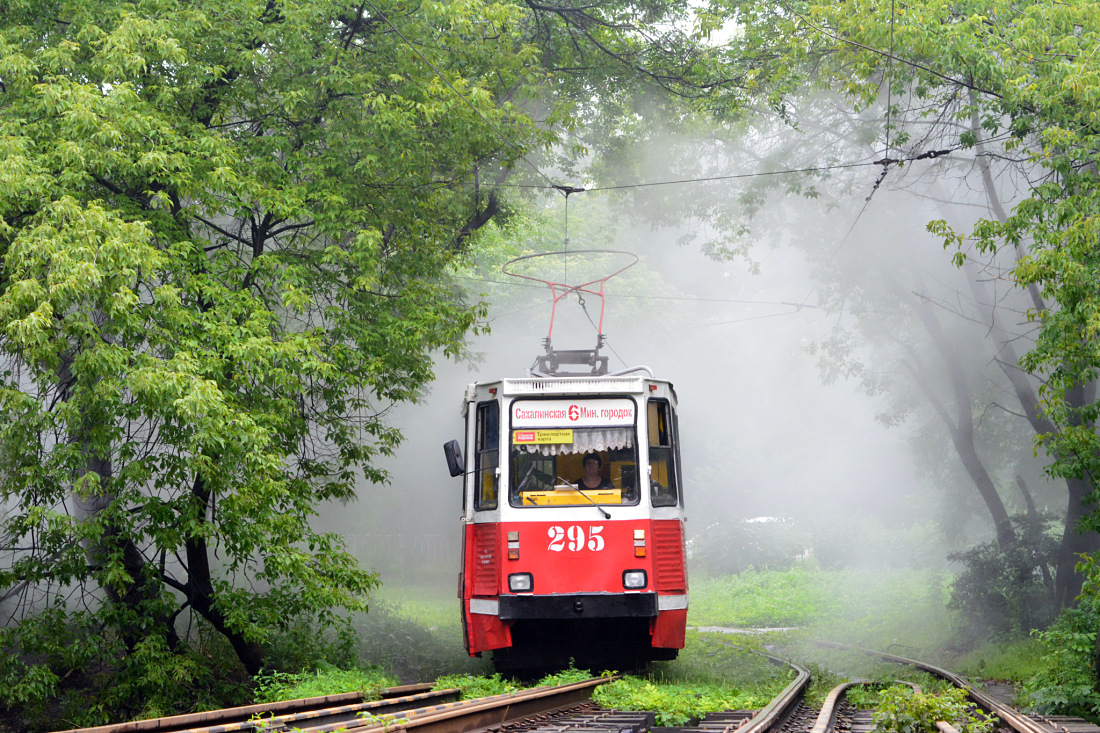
(573, 543)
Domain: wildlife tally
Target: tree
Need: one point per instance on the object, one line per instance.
(225, 232)
(1015, 84)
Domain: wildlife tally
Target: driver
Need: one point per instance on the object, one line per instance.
(592, 480)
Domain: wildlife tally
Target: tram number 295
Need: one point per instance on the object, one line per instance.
(572, 538)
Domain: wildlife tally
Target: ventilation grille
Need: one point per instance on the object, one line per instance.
(486, 559)
(668, 549)
(566, 385)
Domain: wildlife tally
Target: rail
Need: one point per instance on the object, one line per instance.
(343, 712)
(1011, 717)
(781, 704)
(247, 716)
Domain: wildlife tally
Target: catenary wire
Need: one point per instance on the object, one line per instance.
(567, 190)
(758, 174)
(690, 299)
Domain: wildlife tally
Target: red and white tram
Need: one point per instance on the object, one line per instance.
(555, 570)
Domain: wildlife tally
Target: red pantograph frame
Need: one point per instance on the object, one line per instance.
(582, 288)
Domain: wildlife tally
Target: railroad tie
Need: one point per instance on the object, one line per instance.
(862, 721)
(607, 721)
(1065, 723)
(726, 721)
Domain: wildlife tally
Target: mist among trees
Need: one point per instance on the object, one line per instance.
(235, 235)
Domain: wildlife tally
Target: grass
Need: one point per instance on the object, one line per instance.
(486, 685)
(758, 599)
(414, 633)
(713, 672)
(901, 611)
(674, 703)
(433, 606)
(470, 686)
(904, 611)
(1013, 661)
(903, 608)
(850, 665)
(720, 658)
(411, 651)
(326, 680)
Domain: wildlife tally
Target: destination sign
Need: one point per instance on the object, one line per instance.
(578, 413)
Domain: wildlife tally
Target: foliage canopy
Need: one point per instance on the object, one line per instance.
(225, 233)
(1010, 82)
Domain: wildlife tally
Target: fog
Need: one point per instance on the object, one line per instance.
(765, 430)
(761, 435)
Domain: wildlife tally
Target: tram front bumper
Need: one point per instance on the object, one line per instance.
(578, 605)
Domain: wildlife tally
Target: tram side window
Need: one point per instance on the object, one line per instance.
(662, 477)
(488, 455)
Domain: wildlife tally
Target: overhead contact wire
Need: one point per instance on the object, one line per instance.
(755, 174)
(566, 190)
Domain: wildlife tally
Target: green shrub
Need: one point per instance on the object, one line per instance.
(903, 710)
(303, 646)
(675, 704)
(477, 685)
(326, 679)
(1008, 591)
(1016, 660)
(565, 677)
(69, 673)
(1066, 685)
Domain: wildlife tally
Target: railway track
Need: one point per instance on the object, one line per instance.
(1011, 719)
(393, 699)
(565, 709)
(413, 708)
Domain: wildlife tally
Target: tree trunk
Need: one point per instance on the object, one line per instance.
(200, 588)
(137, 592)
(960, 423)
(1074, 542)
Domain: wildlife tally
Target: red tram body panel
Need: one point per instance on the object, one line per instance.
(573, 543)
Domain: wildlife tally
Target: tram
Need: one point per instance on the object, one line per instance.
(573, 514)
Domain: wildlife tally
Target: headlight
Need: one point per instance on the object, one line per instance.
(634, 579)
(521, 582)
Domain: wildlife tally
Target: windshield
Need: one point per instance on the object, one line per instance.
(574, 466)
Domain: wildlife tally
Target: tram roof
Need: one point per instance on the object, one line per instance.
(603, 385)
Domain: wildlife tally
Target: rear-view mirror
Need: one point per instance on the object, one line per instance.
(453, 452)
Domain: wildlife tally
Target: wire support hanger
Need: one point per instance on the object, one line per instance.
(566, 191)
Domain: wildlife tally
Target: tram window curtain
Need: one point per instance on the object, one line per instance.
(588, 441)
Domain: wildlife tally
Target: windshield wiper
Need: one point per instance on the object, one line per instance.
(579, 490)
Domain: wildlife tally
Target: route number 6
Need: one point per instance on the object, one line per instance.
(575, 536)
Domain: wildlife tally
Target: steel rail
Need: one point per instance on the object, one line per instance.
(1008, 715)
(476, 714)
(826, 719)
(248, 717)
(782, 703)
